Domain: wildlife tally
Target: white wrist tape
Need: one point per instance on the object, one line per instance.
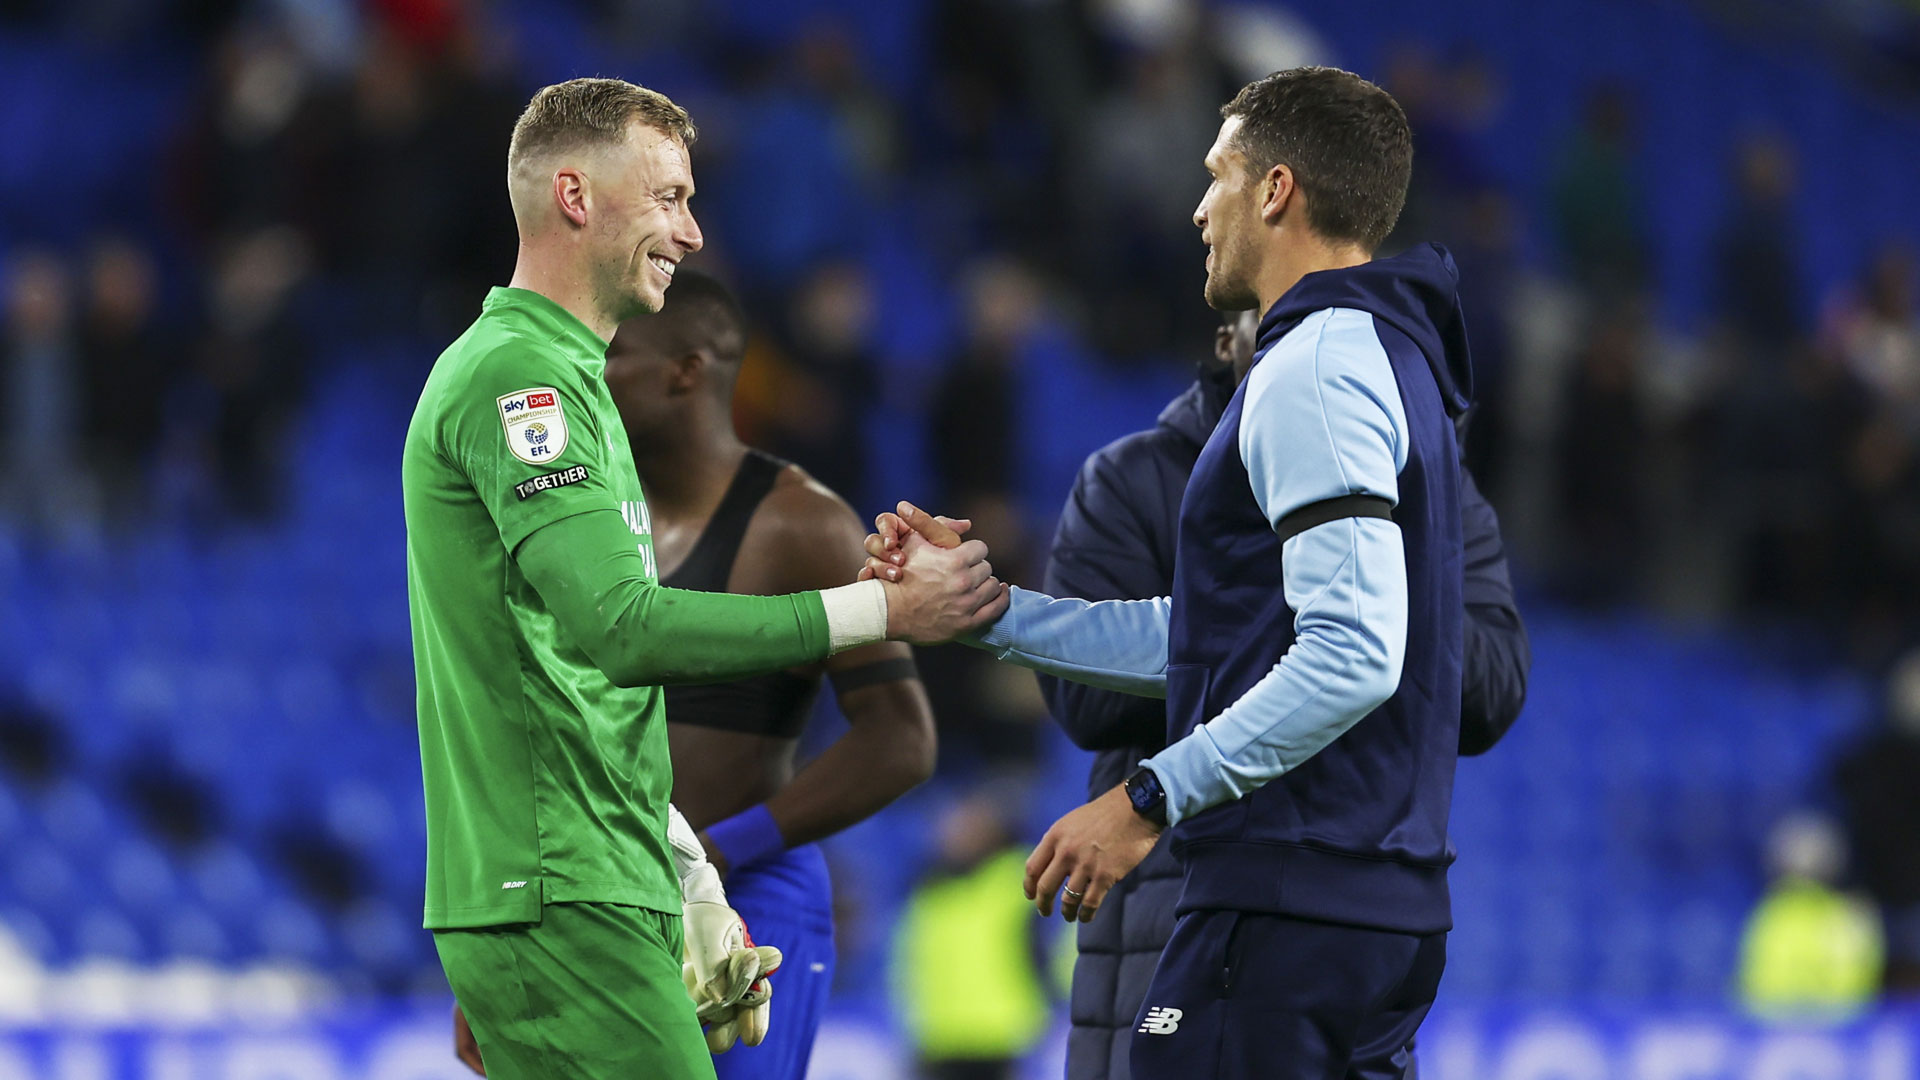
(856, 614)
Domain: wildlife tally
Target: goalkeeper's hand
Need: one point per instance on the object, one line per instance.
(722, 966)
(743, 1021)
(722, 962)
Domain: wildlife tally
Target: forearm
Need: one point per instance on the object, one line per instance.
(1346, 581)
(593, 579)
(887, 750)
(1112, 644)
(1494, 686)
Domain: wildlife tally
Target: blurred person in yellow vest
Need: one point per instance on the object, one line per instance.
(968, 963)
(1810, 950)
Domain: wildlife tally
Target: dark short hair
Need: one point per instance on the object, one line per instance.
(1346, 140)
(581, 112)
(701, 312)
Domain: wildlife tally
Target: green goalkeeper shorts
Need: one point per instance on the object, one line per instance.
(592, 991)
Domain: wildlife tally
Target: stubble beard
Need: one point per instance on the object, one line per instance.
(1229, 288)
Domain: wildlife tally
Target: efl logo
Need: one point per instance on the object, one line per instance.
(535, 423)
(1161, 1020)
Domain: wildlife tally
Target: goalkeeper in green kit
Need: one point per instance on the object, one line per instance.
(557, 873)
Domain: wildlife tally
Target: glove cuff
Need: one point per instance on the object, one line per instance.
(747, 837)
(701, 885)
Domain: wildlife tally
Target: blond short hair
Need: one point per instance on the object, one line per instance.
(585, 112)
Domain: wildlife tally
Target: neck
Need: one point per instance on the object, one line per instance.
(1288, 265)
(561, 281)
(687, 470)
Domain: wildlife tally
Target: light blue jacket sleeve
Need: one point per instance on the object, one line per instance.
(1321, 418)
(1112, 644)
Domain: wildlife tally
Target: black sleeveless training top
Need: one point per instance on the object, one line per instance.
(778, 704)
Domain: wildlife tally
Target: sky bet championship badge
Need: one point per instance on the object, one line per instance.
(536, 429)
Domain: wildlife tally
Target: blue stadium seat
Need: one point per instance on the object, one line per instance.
(227, 879)
(286, 929)
(194, 933)
(140, 876)
(104, 931)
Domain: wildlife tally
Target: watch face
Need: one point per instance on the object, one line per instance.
(1143, 788)
(1142, 798)
(1148, 797)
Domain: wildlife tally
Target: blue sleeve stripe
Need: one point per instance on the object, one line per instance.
(1112, 644)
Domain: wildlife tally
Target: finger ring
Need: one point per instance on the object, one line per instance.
(1074, 894)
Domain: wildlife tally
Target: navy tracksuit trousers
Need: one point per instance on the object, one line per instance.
(1240, 996)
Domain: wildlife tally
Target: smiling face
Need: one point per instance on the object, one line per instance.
(1229, 221)
(642, 226)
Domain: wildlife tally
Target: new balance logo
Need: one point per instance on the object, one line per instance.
(1161, 1020)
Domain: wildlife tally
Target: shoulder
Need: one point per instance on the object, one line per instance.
(1332, 363)
(801, 506)
(1327, 344)
(1135, 464)
(803, 535)
(505, 360)
(1322, 414)
(1139, 448)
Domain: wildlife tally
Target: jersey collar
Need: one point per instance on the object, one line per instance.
(549, 317)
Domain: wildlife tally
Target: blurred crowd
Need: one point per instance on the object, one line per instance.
(331, 175)
(1764, 466)
(916, 232)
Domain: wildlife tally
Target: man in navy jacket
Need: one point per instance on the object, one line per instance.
(1311, 652)
(1115, 541)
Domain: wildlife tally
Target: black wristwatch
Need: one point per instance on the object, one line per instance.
(1148, 797)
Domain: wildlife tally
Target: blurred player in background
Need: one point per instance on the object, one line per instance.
(729, 518)
(557, 871)
(1318, 585)
(1116, 542)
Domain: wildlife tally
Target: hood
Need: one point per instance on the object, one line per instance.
(1416, 292)
(1196, 412)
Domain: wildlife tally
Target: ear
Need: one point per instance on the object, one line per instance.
(570, 194)
(687, 372)
(1223, 343)
(1277, 189)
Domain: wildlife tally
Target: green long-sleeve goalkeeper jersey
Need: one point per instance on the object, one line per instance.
(539, 625)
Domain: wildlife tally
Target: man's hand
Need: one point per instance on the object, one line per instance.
(465, 1047)
(1086, 852)
(941, 592)
(884, 557)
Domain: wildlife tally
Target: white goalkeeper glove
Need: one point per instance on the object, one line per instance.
(723, 968)
(744, 1021)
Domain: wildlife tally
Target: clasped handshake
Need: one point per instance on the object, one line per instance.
(939, 586)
